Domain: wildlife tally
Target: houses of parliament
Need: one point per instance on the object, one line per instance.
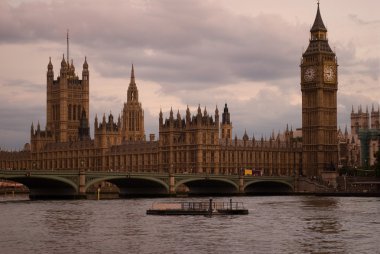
(197, 142)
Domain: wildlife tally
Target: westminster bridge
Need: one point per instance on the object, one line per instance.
(76, 183)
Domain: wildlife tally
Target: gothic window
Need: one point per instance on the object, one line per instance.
(74, 110)
(56, 112)
(137, 121)
(79, 111)
(130, 121)
(69, 111)
(134, 121)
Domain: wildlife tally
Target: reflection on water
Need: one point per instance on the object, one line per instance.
(318, 203)
(286, 224)
(67, 221)
(322, 225)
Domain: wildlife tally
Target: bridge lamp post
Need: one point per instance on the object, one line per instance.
(81, 165)
(294, 159)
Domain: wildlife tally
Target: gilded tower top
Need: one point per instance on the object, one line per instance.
(318, 42)
(318, 23)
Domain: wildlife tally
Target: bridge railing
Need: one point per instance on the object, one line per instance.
(128, 172)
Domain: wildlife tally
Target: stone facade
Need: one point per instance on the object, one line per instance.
(197, 143)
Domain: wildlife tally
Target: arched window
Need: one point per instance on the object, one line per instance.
(69, 111)
(79, 112)
(74, 110)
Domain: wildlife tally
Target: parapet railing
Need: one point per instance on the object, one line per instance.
(198, 206)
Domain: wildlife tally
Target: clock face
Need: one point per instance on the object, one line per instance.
(309, 74)
(329, 73)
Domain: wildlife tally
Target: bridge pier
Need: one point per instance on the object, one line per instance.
(241, 185)
(172, 191)
(82, 185)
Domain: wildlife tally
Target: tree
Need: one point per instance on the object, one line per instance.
(377, 164)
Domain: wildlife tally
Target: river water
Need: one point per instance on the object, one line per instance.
(275, 224)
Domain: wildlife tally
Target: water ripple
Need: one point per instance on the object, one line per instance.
(287, 224)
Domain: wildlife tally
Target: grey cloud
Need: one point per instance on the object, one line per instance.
(350, 64)
(16, 122)
(192, 40)
(24, 85)
(360, 21)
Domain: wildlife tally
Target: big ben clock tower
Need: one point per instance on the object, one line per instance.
(319, 85)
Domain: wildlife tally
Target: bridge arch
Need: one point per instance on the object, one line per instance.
(134, 185)
(47, 187)
(206, 186)
(268, 187)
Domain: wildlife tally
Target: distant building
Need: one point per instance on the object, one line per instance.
(365, 135)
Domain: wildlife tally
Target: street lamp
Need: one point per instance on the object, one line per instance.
(81, 164)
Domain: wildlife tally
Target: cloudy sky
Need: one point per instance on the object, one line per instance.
(243, 52)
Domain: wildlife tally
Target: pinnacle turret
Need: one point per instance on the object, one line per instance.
(63, 62)
(85, 64)
(245, 136)
(226, 115)
(50, 65)
(199, 110)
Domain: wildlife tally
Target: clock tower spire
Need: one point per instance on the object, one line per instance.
(319, 86)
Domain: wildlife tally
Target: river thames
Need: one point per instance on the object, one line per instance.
(275, 224)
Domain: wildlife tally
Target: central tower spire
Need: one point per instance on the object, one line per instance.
(133, 115)
(67, 37)
(133, 75)
(133, 93)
